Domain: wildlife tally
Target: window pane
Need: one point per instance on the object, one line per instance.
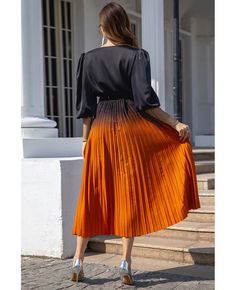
(71, 102)
(45, 41)
(71, 127)
(69, 44)
(47, 71)
(54, 71)
(70, 73)
(44, 11)
(66, 102)
(64, 43)
(54, 102)
(48, 101)
(65, 73)
(68, 15)
(67, 127)
(63, 14)
(53, 42)
(51, 12)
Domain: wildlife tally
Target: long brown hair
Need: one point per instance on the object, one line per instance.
(116, 24)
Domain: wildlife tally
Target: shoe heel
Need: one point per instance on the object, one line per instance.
(125, 273)
(77, 276)
(126, 278)
(77, 271)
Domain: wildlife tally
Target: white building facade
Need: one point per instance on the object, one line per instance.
(54, 34)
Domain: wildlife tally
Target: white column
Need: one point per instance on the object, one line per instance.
(33, 124)
(202, 83)
(153, 42)
(194, 78)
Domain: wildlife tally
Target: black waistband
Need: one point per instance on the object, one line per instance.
(103, 97)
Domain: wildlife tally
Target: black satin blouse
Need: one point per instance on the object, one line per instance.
(119, 70)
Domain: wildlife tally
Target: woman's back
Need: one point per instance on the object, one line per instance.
(110, 69)
(119, 70)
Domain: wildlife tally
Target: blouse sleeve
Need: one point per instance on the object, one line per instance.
(143, 93)
(86, 104)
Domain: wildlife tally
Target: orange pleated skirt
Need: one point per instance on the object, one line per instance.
(137, 178)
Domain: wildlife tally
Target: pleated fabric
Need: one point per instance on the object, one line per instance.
(137, 178)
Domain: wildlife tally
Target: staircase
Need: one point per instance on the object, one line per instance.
(190, 241)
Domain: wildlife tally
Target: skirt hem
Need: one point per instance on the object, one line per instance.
(136, 234)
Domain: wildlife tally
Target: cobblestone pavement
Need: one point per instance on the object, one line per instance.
(50, 273)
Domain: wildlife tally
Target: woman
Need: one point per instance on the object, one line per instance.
(139, 173)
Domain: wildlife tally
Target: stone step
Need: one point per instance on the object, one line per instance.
(204, 272)
(179, 250)
(206, 181)
(205, 166)
(188, 230)
(207, 197)
(204, 154)
(204, 214)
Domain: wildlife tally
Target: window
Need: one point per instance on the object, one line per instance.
(58, 58)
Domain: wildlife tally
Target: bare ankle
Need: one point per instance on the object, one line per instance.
(81, 257)
(127, 259)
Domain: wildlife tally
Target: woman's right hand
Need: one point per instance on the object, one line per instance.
(83, 148)
(183, 129)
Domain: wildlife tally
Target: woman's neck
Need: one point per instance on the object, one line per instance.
(108, 43)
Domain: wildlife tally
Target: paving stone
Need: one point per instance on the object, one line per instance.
(54, 274)
(196, 285)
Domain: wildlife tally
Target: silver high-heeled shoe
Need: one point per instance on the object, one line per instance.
(77, 270)
(125, 273)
